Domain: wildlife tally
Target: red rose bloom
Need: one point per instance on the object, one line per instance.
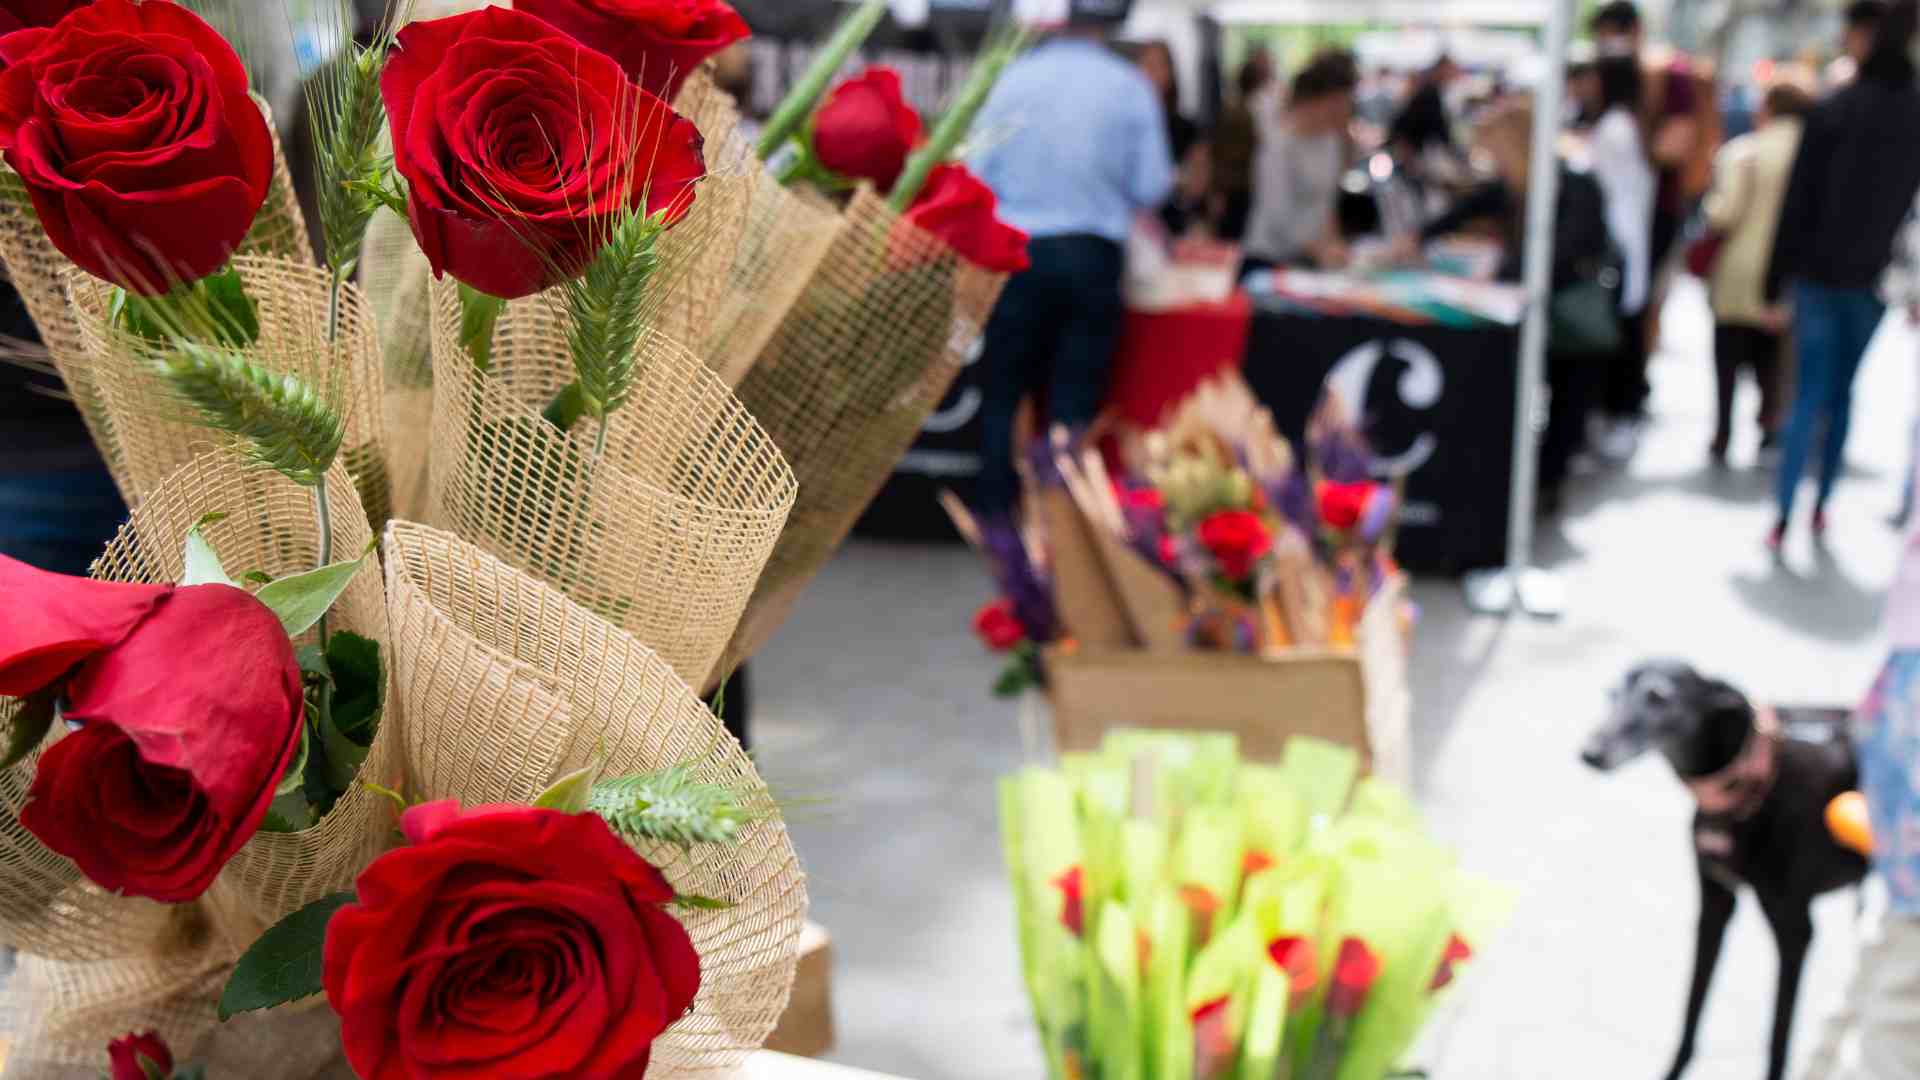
(518, 145)
(1458, 952)
(1354, 973)
(1343, 505)
(1146, 500)
(1073, 899)
(129, 1053)
(956, 207)
(658, 42)
(187, 702)
(997, 627)
(1294, 957)
(865, 129)
(131, 127)
(507, 941)
(1213, 1041)
(1238, 540)
(21, 14)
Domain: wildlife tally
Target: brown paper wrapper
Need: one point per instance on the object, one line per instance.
(40, 274)
(1083, 589)
(158, 434)
(663, 535)
(505, 685)
(847, 380)
(97, 961)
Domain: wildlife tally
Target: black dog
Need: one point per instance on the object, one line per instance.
(1762, 779)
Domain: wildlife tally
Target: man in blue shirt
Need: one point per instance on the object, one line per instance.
(1075, 146)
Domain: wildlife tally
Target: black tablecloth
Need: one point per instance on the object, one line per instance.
(1436, 398)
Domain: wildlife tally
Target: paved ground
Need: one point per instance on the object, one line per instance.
(874, 703)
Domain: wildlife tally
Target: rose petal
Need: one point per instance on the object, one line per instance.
(54, 621)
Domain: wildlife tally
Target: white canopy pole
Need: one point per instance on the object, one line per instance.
(1520, 586)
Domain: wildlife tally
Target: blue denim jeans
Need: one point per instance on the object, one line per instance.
(59, 520)
(1832, 328)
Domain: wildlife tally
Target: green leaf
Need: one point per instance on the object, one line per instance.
(702, 903)
(567, 407)
(190, 1072)
(284, 965)
(291, 810)
(257, 577)
(303, 599)
(571, 793)
(342, 758)
(353, 662)
(227, 300)
(31, 724)
(150, 1067)
(202, 562)
(478, 314)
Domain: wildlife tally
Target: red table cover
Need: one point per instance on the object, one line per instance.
(1164, 355)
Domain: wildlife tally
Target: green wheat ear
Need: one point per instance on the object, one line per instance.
(282, 422)
(608, 310)
(348, 121)
(671, 806)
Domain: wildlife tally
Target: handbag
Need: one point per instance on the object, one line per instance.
(1583, 320)
(1704, 252)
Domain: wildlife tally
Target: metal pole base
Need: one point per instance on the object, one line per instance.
(1536, 592)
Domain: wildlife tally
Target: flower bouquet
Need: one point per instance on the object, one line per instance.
(304, 795)
(1185, 915)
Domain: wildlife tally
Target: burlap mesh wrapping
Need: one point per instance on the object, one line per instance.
(39, 272)
(505, 685)
(697, 255)
(98, 960)
(394, 277)
(664, 536)
(158, 434)
(853, 371)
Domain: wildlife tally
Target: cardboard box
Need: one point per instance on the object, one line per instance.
(806, 1028)
(1358, 699)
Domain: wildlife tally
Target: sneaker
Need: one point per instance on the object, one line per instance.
(1819, 523)
(1776, 537)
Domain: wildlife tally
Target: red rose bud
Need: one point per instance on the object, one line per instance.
(998, 628)
(1169, 551)
(187, 706)
(1354, 972)
(1458, 952)
(962, 212)
(865, 129)
(515, 941)
(131, 128)
(519, 147)
(21, 14)
(1254, 862)
(1343, 505)
(1237, 539)
(1073, 886)
(139, 1056)
(1144, 499)
(1201, 907)
(658, 42)
(1294, 957)
(1213, 1045)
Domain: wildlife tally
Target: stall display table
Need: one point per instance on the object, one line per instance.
(1165, 355)
(1437, 402)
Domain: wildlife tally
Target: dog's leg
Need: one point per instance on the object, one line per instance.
(1716, 910)
(1793, 933)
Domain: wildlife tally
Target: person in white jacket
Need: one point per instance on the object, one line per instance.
(1620, 166)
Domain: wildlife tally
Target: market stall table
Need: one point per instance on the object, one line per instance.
(1164, 355)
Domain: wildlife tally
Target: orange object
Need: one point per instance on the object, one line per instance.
(1847, 820)
(1346, 619)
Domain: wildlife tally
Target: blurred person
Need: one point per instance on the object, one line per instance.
(1236, 141)
(1630, 188)
(1680, 129)
(1192, 151)
(1583, 92)
(1862, 21)
(1080, 149)
(1902, 289)
(1423, 123)
(1743, 210)
(1852, 186)
(1296, 183)
(1583, 254)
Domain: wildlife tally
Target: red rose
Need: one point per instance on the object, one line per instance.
(130, 1054)
(1073, 900)
(1213, 1040)
(1145, 500)
(20, 14)
(131, 127)
(865, 129)
(507, 941)
(187, 702)
(1458, 952)
(1294, 957)
(658, 42)
(956, 207)
(1238, 540)
(997, 627)
(518, 146)
(1354, 973)
(1343, 505)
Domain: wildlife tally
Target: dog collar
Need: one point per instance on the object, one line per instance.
(1738, 790)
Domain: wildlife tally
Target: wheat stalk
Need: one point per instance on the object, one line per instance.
(285, 424)
(348, 120)
(672, 806)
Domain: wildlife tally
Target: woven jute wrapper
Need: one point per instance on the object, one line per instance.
(40, 274)
(849, 377)
(98, 960)
(158, 433)
(505, 685)
(662, 535)
(394, 278)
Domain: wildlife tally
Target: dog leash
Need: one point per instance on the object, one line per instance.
(1739, 789)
